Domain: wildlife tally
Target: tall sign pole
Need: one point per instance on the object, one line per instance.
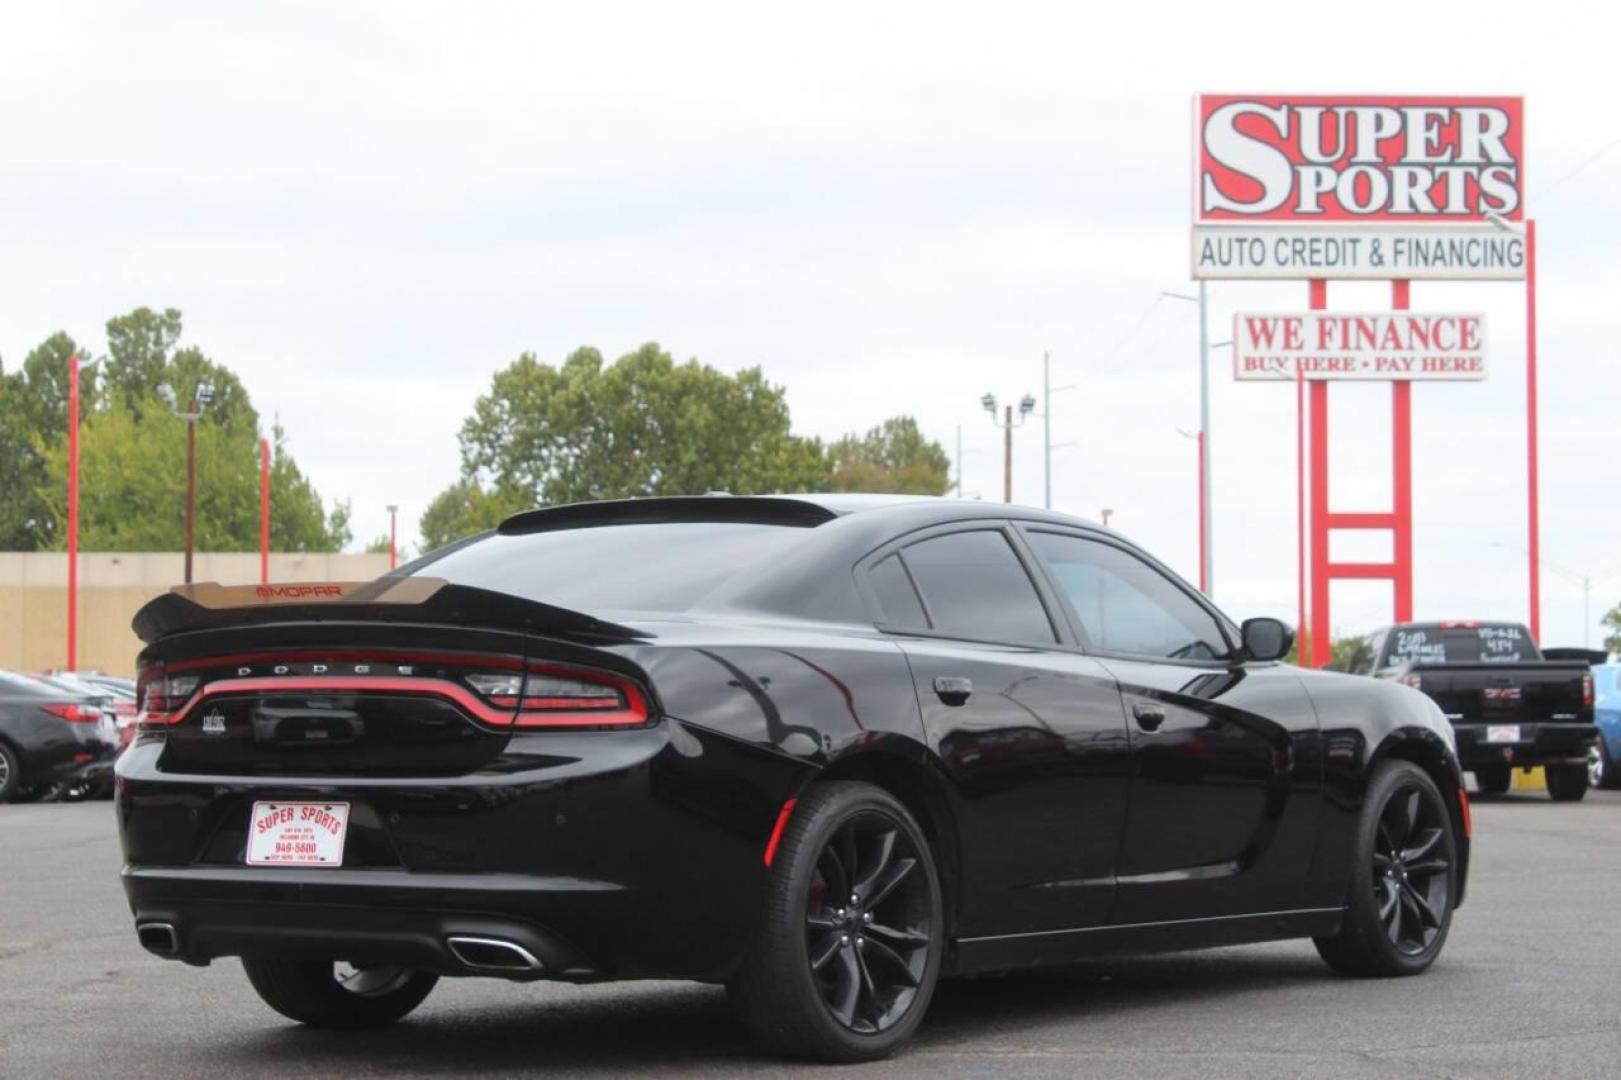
(1534, 535)
(1207, 559)
(73, 512)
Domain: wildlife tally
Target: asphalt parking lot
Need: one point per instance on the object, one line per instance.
(1525, 988)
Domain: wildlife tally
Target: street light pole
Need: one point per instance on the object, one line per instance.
(1027, 405)
(1207, 569)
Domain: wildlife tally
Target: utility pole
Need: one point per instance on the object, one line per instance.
(1027, 405)
(959, 461)
(199, 401)
(1207, 565)
(191, 483)
(392, 550)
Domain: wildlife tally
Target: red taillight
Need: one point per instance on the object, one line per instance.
(160, 698)
(563, 697)
(1587, 690)
(1463, 805)
(74, 714)
(1460, 624)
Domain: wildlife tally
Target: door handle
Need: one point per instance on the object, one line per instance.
(1149, 715)
(952, 690)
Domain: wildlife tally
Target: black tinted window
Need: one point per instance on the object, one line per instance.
(1124, 604)
(663, 567)
(976, 587)
(1463, 643)
(896, 598)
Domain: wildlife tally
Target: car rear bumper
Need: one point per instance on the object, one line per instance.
(599, 854)
(1539, 744)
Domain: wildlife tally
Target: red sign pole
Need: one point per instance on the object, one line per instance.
(1534, 539)
(264, 511)
(73, 512)
(1401, 487)
(1321, 645)
(1303, 638)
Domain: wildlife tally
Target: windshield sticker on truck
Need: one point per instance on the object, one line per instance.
(1416, 647)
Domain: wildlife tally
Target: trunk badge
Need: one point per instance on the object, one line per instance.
(214, 723)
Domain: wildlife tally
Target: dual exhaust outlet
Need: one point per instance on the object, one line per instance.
(476, 953)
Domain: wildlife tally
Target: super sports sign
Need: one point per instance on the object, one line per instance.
(1400, 161)
(1344, 186)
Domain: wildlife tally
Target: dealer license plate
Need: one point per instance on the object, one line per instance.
(1503, 733)
(297, 833)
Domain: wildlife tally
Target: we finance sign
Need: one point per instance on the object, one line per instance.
(1396, 345)
(1293, 186)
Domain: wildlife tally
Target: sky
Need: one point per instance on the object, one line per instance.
(367, 209)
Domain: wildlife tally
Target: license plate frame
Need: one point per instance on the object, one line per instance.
(297, 833)
(1502, 733)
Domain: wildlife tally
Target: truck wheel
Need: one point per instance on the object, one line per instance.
(1493, 779)
(321, 993)
(1400, 905)
(848, 948)
(1566, 783)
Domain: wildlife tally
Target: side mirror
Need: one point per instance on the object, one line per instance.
(1266, 639)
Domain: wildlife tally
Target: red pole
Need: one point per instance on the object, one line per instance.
(73, 512)
(1321, 646)
(392, 550)
(264, 511)
(1401, 457)
(1302, 638)
(1204, 586)
(1534, 546)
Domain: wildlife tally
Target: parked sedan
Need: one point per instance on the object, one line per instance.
(823, 750)
(52, 737)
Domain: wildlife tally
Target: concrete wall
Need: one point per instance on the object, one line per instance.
(34, 598)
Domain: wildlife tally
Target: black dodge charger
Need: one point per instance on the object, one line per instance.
(825, 750)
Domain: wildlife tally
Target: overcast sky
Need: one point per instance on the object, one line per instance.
(366, 209)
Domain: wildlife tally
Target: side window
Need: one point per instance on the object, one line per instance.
(897, 599)
(1124, 604)
(976, 587)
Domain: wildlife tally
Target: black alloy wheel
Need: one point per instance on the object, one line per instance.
(1412, 873)
(849, 952)
(1400, 905)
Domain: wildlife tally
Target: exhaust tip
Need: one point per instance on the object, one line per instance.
(159, 937)
(493, 954)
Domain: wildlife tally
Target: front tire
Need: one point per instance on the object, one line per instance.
(848, 950)
(1402, 878)
(1566, 783)
(325, 994)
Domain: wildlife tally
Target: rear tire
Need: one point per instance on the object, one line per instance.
(847, 952)
(1403, 878)
(11, 774)
(1566, 783)
(1494, 779)
(314, 992)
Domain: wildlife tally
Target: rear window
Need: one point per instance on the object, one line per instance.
(1506, 643)
(663, 567)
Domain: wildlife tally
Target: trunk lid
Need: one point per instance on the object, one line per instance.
(1539, 693)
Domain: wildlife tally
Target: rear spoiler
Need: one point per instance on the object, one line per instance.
(210, 605)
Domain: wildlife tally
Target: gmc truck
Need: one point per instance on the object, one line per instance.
(1510, 707)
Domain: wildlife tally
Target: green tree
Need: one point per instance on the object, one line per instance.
(644, 425)
(33, 421)
(1344, 654)
(132, 482)
(1612, 623)
(462, 509)
(893, 457)
(142, 360)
